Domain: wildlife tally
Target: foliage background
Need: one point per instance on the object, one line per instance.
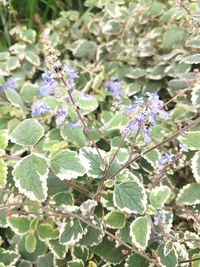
(151, 46)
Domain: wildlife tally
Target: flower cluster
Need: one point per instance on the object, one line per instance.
(9, 84)
(142, 115)
(46, 88)
(114, 87)
(40, 109)
(162, 217)
(72, 74)
(166, 159)
(61, 115)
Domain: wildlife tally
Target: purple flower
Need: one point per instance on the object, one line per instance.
(46, 87)
(72, 75)
(146, 135)
(166, 158)
(134, 106)
(75, 124)
(183, 148)
(156, 221)
(10, 84)
(114, 87)
(40, 109)
(61, 115)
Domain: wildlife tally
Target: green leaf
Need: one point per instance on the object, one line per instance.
(67, 165)
(115, 219)
(195, 165)
(30, 242)
(75, 263)
(140, 231)
(172, 36)
(30, 176)
(3, 139)
(167, 261)
(189, 195)
(130, 197)
(45, 260)
(192, 59)
(63, 198)
(8, 257)
(87, 103)
(136, 73)
(159, 196)
(111, 27)
(14, 98)
(71, 232)
(196, 95)
(19, 224)
(29, 36)
(46, 232)
(108, 252)
(92, 237)
(84, 48)
(81, 252)
(29, 92)
(27, 133)
(91, 161)
(13, 63)
(168, 247)
(75, 136)
(59, 251)
(191, 140)
(3, 173)
(196, 263)
(32, 58)
(137, 261)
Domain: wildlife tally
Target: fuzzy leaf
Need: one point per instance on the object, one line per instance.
(30, 176)
(30, 242)
(140, 230)
(71, 232)
(8, 257)
(57, 249)
(137, 261)
(46, 232)
(196, 95)
(108, 252)
(196, 166)
(32, 57)
(191, 140)
(67, 165)
(130, 197)
(27, 133)
(167, 261)
(159, 196)
(14, 98)
(3, 173)
(75, 263)
(115, 220)
(19, 224)
(91, 161)
(3, 139)
(189, 195)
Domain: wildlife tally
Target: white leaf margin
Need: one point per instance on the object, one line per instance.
(138, 245)
(43, 179)
(182, 191)
(194, 166)
(143, 191)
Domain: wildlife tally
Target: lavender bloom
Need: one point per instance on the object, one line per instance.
(40, 109)
(183, 148)
(72, 75)
(114, 87)
(166, 158)
(9, 84)
(74, 124)
(61, 116)
(142, 115)
(46, 87)
(156, 221)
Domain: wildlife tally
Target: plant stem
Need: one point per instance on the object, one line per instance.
(168, 139)
(81, 119)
